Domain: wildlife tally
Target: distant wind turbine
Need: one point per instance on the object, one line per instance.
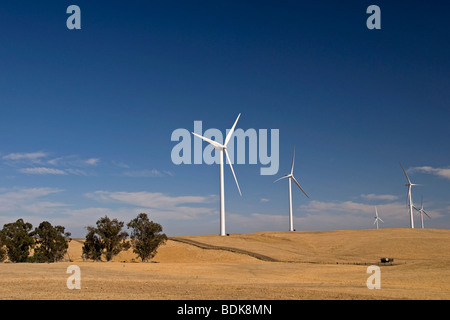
(409, 197)
(290, 176)
(223, 148)
(377, 218)
(422, 212)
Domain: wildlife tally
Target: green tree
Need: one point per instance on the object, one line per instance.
(93, 246)
(2, 249)
(52, 242)
(107, 237)
(146, 236)
(17, 239)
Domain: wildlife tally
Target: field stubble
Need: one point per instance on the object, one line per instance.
(308, 265)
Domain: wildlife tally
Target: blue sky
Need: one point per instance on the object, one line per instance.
(86, 116)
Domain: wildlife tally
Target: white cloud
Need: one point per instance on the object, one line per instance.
(73, 161)
(42, 171)
(372, 196)
(92, 161)
(169, 173)
(441, 172)
(395, 210)
(159, 206)
(144, 173)
(77, 172)
(120, 164)
(25, 156)
(148, 199)
(264, 200)
(54, 162)
(25, 200)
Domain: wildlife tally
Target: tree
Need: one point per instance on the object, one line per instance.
(107, 238)
(17, 239)
(146, 236)
(93, 246)
(2, 249)
(52, 242)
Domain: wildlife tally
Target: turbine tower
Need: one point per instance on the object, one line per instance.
(222, 148)
(409, 197)
(290, 177)
(422, 212)
(377, 218)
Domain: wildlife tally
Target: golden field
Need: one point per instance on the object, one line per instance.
(252, 266)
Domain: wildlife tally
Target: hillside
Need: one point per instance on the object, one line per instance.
(262, 265)
(341, 246)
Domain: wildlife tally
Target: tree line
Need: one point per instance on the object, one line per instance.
(104, 240)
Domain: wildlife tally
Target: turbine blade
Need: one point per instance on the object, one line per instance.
(292, 166)
(407, 198)
(214, 143)
(231, 166)
(426, 214)
(380, 220)
(414, 207)
(280, 179)
(409, 181)
(298, 185)
(230, 133)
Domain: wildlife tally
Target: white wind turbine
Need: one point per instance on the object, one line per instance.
(222, 148)
(290, 176)
(422, 212)
(377, 218)
(411, 205)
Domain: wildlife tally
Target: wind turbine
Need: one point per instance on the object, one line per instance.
(377, 218)
(411, 205)
(290, 176)
(422, 212)
(222, 148)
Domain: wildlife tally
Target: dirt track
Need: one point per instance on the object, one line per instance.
(310, 265)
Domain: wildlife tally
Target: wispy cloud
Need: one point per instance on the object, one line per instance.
(73, 161)
(92, 161)
(43, 164)
(77, 172)
(149, 199)
(441, 172)
(120, 164)
(22, 199)
(42, 171)
(395, 210)
(372, 196)
(32, 156)
(144, 173)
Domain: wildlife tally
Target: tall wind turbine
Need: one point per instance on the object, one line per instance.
(377, 218)
(422, 212)
(290, 176)
(222, 148)
(411, 205)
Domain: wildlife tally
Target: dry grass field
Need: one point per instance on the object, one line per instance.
(304, 265)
